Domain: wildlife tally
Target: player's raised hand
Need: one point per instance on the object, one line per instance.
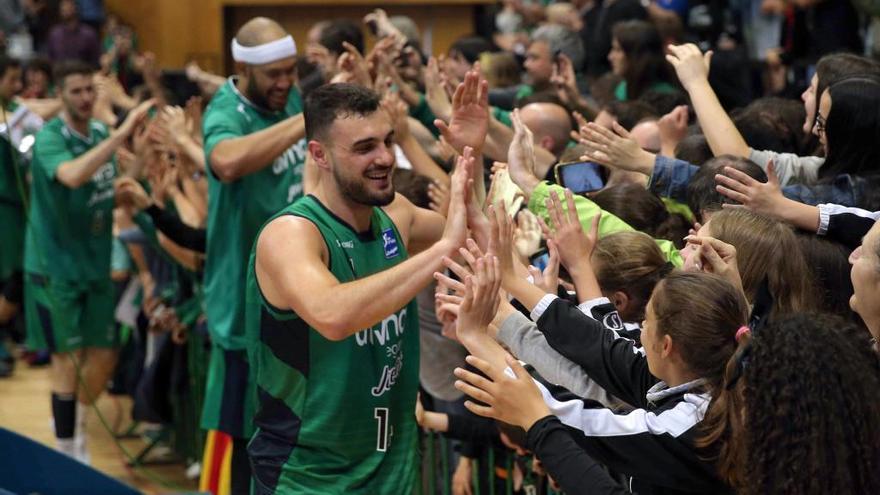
(135, 117)
(469, 121)
(460, 194)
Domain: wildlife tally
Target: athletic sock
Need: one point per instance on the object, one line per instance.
(81, 433)
(64, 414)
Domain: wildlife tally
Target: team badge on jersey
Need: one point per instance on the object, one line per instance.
(389, 241)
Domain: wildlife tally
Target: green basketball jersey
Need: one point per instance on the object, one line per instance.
(336, 417)
(69, 231)
(236, 210)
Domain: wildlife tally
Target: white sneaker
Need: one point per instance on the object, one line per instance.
(81, 451)
(66, 446)
(81, 434)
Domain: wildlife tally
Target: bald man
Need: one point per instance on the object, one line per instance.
(550, 124)
(255, 151)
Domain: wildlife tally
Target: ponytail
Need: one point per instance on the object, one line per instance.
(723, 431)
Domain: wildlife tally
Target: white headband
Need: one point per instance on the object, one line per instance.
(266, 53)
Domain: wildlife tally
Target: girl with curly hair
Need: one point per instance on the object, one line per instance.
(807, 384)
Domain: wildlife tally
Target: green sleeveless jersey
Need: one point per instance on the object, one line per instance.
(69, 231)
(236, 210)
(335, 417)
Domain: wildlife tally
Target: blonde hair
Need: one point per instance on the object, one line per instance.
(767, 249)
(630, 262)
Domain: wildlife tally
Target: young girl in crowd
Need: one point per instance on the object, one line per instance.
(774, 275)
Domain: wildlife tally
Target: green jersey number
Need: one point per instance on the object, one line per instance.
(381, 415)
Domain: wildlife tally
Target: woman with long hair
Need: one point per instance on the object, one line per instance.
(774, 274)
(636, 56)
(788, 389)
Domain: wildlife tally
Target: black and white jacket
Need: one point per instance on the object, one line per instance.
(845, 225)
(654, 444)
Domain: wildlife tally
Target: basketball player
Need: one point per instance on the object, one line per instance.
(255, 152)
(332, 322)
(69, 298)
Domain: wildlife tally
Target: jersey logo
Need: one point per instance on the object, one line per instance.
(390, 373)
(389, 241)
(612, 321)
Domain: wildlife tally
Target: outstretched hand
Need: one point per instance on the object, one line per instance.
(460, 194)
(565, 229)
(136, 117)
(521, 156)
(501, 241)
(435, 93)
(548, 279)
(469, 121)
(480, 300)
(717, 257)
(616, 149)
(673, 128)
(513, 399)
(763, 198)
(691, 65)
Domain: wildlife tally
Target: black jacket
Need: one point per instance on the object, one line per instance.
(655, 444)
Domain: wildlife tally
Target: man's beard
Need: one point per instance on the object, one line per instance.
(356, 190)
(253, 94)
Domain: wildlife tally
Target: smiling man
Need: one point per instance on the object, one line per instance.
(332, 317)
(255, 152)
(69, 296)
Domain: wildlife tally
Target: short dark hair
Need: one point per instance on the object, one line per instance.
(644, 211)
(69, 68)
(664, 102)
(630, 113)
(332, 101)
(471, 47)
(701, 193)
(339, 31)
(40, 64)
(772, 123)
(414, 187)
(7, 63)
(694, 149)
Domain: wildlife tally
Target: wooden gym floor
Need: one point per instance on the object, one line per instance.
(25, 408)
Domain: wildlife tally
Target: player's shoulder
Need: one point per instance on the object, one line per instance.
(224, 104)
(99, 128)
(52, 127)
(287, 230)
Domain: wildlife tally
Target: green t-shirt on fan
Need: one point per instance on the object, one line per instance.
(69, 231)
(237, 210)
(336, 416)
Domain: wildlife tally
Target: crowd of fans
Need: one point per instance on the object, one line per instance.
(672, 284)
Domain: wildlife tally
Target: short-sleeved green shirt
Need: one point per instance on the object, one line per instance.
(69, 232)
(237, 210)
